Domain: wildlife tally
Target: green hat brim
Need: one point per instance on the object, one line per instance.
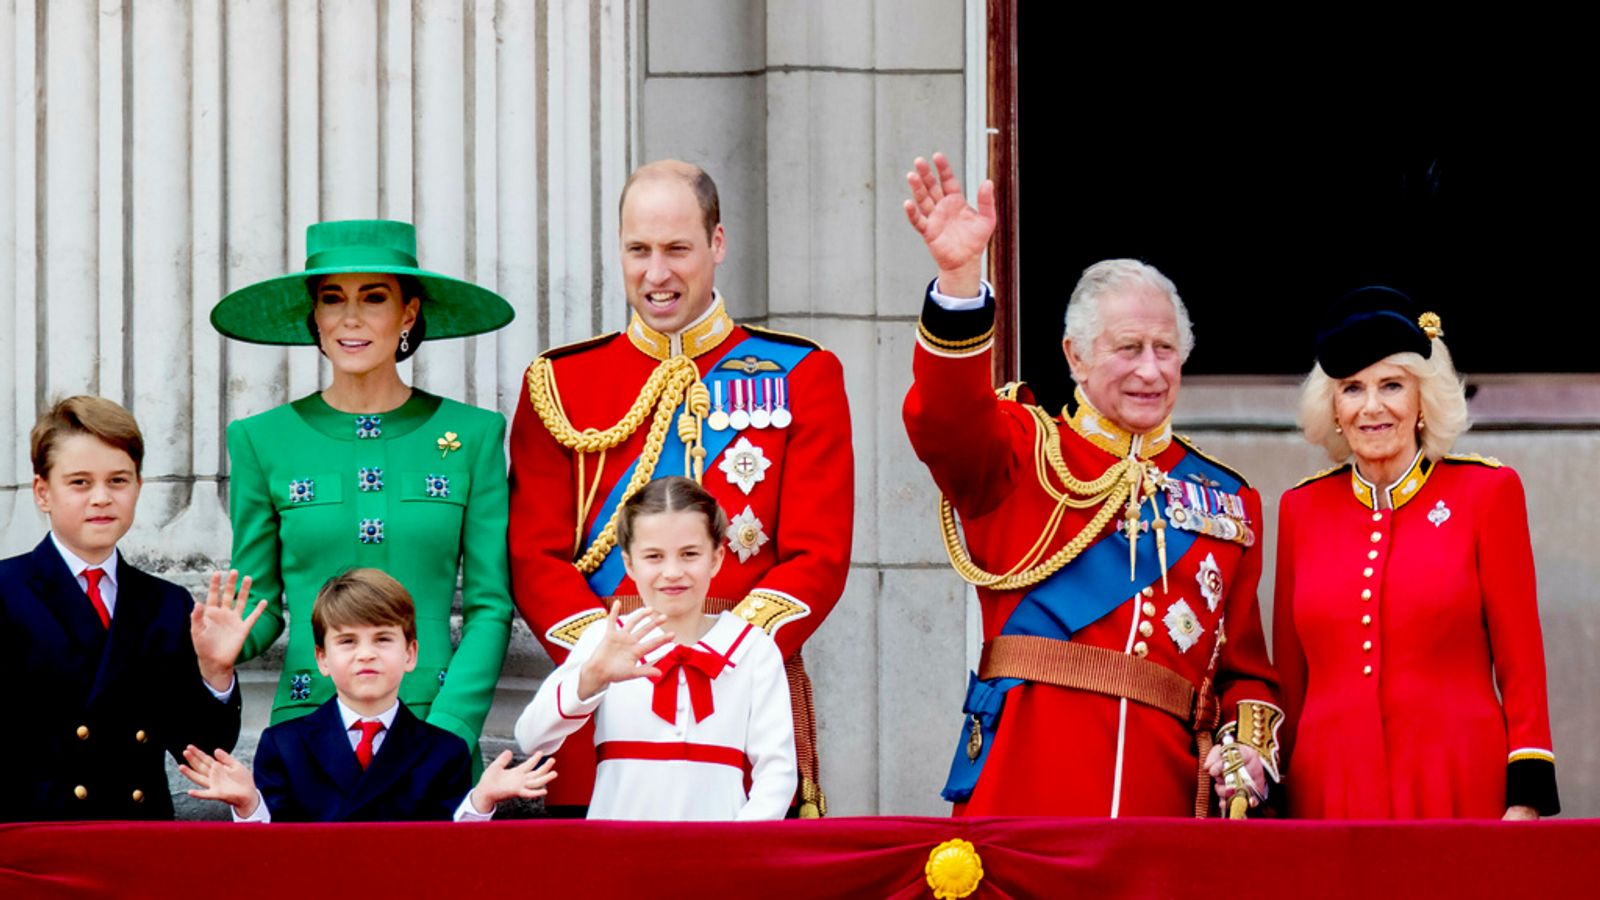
(274, 311)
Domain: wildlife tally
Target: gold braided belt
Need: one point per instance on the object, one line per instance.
(675, 380)
(1129, 481)
(1085, 668)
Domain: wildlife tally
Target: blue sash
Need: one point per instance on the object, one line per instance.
(604, 580)
(1097, 581)
(1081, 592)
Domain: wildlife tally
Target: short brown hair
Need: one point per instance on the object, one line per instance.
(363, 597)
(674, 493)
(705, 190)
(95, 416)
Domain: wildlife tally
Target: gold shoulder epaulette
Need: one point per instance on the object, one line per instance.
(577, 346)
(1190, 445)
(1010, 390)
(567, 631)
(769, 609)
(786, 337)
(1331, 470)
(1474, 458)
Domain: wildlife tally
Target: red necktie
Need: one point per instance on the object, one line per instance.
(369, 730)
(93, 576)
(699, 667)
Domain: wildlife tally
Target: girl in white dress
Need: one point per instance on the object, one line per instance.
(692, 715)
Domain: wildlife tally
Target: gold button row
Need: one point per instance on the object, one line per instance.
(82, 793)
(140, 736)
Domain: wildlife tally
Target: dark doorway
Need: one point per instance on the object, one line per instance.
(1268, 170)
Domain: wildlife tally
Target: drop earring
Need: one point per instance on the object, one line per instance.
(405, 346)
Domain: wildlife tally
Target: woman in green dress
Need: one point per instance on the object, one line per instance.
(371, 472)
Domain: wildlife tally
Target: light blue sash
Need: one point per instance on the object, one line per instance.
(604, 580)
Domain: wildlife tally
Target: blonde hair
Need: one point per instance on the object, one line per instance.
(1441, 391)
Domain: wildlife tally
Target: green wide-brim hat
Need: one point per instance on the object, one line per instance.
(274, 311)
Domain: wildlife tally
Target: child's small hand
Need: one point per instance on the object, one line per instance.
(621, 649)
(219, 626)
(502, 781)
(220, 777)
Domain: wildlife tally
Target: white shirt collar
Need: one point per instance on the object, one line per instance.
(76, 564)
(351, 717)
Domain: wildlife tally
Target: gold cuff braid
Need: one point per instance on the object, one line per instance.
(1257, 727)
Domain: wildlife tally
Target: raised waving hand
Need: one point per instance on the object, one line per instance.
(956, 233)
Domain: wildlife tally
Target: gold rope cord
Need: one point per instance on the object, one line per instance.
(1107, 491)
(665, 389)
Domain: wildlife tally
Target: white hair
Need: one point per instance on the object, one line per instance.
(1083, 323)
(1443, 404)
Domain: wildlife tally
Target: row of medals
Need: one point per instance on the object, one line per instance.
(766, 415)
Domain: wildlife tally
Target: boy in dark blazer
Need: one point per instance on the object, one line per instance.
(106, 667)
(362, 756)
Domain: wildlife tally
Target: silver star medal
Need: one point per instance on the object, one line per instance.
(1210, 578)
(746, 534)
(718, 420)
(745, 464)
(1183, 626)
(1439, 514)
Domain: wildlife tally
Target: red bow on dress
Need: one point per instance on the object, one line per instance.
(699, 667)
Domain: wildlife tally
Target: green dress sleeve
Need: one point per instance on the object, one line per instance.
(464, 699)
(255, 537)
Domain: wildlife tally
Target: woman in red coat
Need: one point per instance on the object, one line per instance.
(1405, 593)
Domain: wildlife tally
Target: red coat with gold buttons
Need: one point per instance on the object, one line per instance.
(797, 516)
(1062, 751)
(1392, 629)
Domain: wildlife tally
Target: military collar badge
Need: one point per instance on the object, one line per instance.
(696, 340)
(1101, 432)
(1396, 495)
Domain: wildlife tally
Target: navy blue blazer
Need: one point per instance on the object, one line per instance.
(307, 771)
(91, 711)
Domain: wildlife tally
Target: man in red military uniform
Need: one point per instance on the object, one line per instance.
(758, 416)
(1116, 566)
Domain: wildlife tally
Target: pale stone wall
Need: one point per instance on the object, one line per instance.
(158, 154)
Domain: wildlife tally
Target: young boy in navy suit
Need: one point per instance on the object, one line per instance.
(362, 756)
(106, 667)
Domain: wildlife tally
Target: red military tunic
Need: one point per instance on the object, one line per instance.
(789, 550)
(1063, 751)
(1392, 628)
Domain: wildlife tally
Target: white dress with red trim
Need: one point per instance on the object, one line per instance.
(718, 747)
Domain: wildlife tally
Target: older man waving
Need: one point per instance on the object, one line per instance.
(1123, 663)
